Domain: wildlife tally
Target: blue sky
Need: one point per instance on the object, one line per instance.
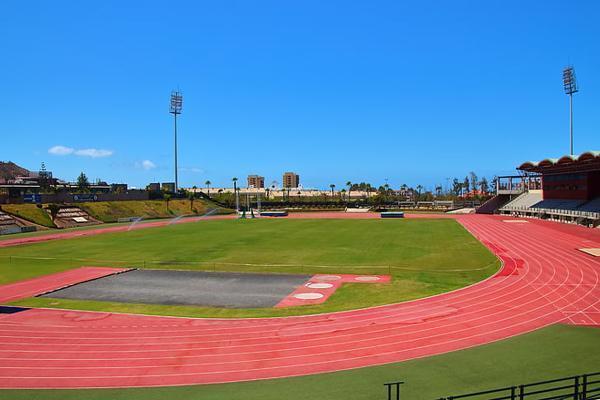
(414, 92)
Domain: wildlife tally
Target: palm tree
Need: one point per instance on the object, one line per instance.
(208, 183)
(267, 191)
(343, 194)
(404, 187)
(332, 186)
(349, 184)
(419, 188)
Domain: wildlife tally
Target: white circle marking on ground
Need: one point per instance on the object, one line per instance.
(328, 278)
(367, 278)
(319, 285)
(308, 296)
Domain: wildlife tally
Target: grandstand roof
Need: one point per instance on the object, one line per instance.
(582, 160)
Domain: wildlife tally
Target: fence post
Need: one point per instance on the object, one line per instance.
(584, 391)
(576, 388)
(389, 389)
(521, 392)
(513, 390)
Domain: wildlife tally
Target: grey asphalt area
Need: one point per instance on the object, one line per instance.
(212, 289)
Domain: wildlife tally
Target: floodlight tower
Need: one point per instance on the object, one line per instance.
(570, 86)
(175, 109)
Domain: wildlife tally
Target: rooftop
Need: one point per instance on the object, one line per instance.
(583, 160)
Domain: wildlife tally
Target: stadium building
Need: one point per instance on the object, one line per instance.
(565, 189)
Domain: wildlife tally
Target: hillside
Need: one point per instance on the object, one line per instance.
(112, 211)
(29, 212)
(10, 170)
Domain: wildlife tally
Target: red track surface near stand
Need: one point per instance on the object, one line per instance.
(545, 280)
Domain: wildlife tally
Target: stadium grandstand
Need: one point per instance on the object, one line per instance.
(565, 189)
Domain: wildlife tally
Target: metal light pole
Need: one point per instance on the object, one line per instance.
(175, 109)
(570, 86)
(236, 193)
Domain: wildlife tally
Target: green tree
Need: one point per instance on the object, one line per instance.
(419, 188)
(484, 185)
(474, 180)
(167, 199)
(82, 182)
(53, 208)
(191, 197)
(349, 184)
(456, 187)
(466, 185)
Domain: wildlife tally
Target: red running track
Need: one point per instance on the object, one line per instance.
(48, 283)
(545, 280)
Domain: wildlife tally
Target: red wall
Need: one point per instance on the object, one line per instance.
(571, 186)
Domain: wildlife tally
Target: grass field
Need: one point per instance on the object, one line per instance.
(552, 352)
(425, 257)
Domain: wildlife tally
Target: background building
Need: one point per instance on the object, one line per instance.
(291, 180)
(256, 182)
(168, 187)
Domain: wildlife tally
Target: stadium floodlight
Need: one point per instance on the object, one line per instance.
(175, 109)
(570, 86)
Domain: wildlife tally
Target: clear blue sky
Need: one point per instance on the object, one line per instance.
(334, 90)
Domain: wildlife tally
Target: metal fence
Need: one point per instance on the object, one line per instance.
(553, 211)
(581, 387)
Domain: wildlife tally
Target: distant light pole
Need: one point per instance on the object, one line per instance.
(570, 86)
(175, 109)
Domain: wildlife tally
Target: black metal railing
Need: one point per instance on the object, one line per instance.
(393, 388)
(581, 387)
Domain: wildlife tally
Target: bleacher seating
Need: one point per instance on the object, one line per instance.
(7, 220)
(523, 202)
(558, 204)
(591, 206)
(531, 204)
(10, 225)
(69, 217)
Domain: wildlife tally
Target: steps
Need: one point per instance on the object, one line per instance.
(70, 217)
